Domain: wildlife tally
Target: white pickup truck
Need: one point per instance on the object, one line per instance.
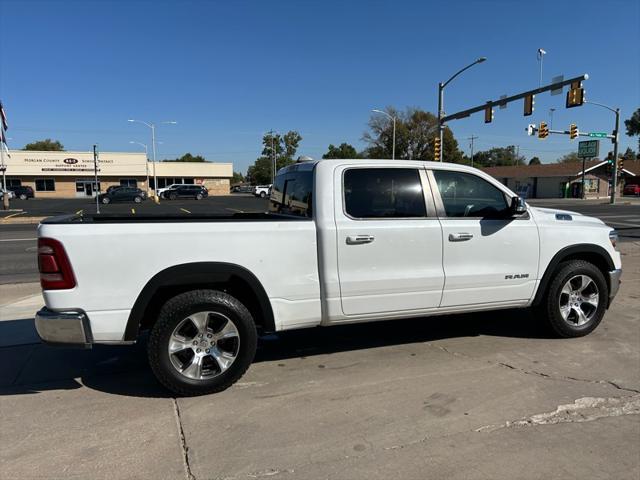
(344, 241)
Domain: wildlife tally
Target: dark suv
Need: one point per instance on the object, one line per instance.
(22, 192)
(123, 194)
(186, 191)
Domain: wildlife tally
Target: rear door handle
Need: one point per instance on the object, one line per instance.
(460, 237)
(360, 239)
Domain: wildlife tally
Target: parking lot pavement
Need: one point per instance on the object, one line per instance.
(465, 396)
(47, 207)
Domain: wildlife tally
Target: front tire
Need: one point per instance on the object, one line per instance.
(203, 342)
(263, 195)
(106, 200)
(137, 199)
(576, 299)
(23, 196)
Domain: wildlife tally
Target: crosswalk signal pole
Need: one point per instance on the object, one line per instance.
(614, 180)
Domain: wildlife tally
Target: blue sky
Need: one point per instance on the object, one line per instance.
(229, 71)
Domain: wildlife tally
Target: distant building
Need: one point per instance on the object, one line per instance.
(71, 174)
(562, 180)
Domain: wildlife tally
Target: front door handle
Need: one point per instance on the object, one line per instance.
(460, 237)
(360, 239)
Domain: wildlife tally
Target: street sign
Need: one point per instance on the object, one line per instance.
(598, 134)
(588, 148)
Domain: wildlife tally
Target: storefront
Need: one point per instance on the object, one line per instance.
(72, 174)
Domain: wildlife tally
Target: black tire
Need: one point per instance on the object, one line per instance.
(23, 196)
(550, 305)
(180, 307)
(199, 196)
(173, 196)
(263, 195)
(106, 200)
(137, 199)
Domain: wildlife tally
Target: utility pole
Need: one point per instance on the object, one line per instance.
(95, 172)
(472, 138)
(517, 154)
(614, 181)
(273, 160)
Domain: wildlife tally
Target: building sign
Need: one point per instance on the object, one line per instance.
(24, 162)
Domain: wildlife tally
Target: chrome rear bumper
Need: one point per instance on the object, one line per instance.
(70, 328)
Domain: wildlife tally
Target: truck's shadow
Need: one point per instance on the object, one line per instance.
(123, 370)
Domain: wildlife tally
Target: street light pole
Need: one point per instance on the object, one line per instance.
(616, 134)
(541, 54)
(146, 159)
(472, 138)
(393, 119)
(441, 87)
(152, 126)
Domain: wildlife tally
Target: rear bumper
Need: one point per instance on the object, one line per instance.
(614, 283)
(69, 328)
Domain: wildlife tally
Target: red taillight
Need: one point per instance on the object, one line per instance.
(54, 266)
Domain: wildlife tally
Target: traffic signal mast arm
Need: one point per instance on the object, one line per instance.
(513, 98)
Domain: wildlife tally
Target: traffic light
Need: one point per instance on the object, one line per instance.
(529, 101)
(573, 131)
(621, 163)
(436, 149)
(543, 131)
(575, 95)
(531, 128)
(488, 114)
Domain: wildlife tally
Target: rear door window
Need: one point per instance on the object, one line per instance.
(383, 193)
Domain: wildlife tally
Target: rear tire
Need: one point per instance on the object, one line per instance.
(263, 195)
(199, 196)
(23, 196)
(173, 196)
(206, 359)
(106, 200)
(576, 299)
(137, 199)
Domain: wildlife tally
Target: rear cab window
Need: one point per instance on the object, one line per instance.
(292, 192)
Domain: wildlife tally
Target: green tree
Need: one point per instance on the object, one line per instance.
(569, 157)
(534, 161)
(46, 145)
(629, 154)
(499, 156)
(282, 147)
(187, 157)
(415, 134)
(343, 151)
(237, 178)
(633, 124)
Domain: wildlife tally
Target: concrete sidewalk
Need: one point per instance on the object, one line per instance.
(463, 397)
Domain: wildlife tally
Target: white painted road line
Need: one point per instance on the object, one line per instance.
(18, 239)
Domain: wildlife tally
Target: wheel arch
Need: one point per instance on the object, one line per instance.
(584, 251)
(231, 278)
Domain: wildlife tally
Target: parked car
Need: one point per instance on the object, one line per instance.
(160, 191)
(22, 192)
(123, 194)
(113, 187)
(262, 191)
(631, 189)
(242, 189)
(186, 191)
(344, 241)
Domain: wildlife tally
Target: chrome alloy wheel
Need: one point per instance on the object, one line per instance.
(204, 345)
(579, 300)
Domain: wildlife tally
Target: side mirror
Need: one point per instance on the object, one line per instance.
(518, 206)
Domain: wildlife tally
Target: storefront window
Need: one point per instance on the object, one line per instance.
(45, 185)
